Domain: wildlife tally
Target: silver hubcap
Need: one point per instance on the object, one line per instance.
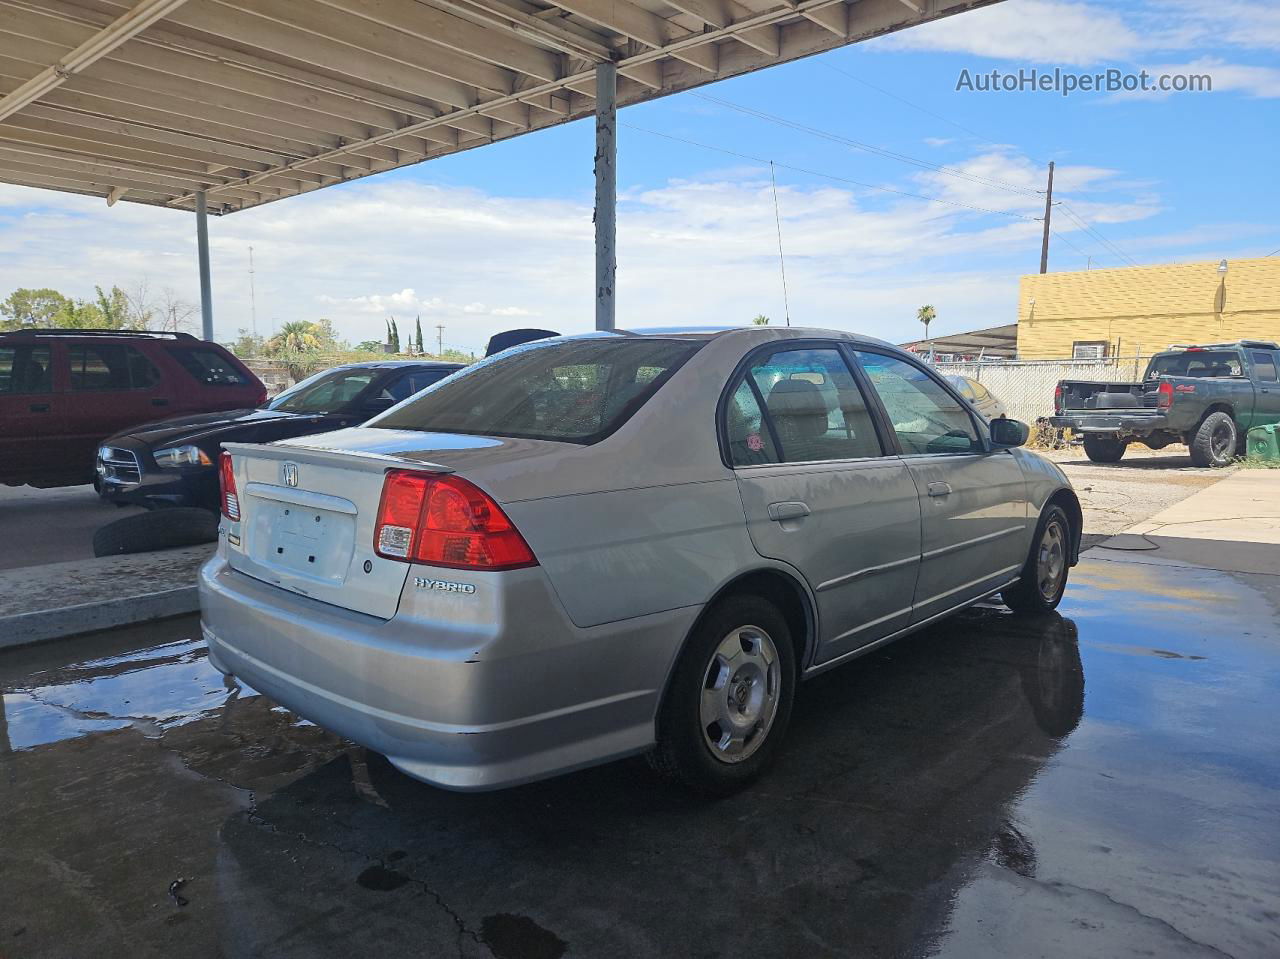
(740, 694)
(1051, 562)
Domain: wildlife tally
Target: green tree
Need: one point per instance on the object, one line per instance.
(33, 308)
(248, 344)
(368, 346)
(760, 320)
(395, 336)
(419, 324)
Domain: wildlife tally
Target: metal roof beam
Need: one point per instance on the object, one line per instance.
(142, 15)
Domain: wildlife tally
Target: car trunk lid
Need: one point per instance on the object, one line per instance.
(307, 520)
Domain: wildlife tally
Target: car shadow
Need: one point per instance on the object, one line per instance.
(897, 776)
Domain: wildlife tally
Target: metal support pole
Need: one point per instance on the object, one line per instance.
(202, 248)
(1048, 213)
(606, 192)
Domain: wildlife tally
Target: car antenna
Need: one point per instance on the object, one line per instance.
(782, 261)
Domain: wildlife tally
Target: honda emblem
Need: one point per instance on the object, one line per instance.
(289, 474)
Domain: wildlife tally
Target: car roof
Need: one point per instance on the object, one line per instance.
(399, 365)
(750, 335)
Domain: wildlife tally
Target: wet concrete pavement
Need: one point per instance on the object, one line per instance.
(1100, 783)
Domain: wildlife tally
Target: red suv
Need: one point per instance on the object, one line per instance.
(64, 391)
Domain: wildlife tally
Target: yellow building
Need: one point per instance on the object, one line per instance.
(1144, 309)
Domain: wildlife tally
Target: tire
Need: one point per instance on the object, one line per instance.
(157, 529)
(1215, 441)
(748, 629)
(1103, 449)
(1044, 578)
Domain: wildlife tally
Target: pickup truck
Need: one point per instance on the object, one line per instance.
(1207, 397)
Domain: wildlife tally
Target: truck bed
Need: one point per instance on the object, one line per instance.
(1090, 395)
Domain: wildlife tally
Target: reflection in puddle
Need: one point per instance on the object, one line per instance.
(150, 690)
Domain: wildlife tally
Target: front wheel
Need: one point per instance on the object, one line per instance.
(1214, 442)
(729, 700)
(1044, 577)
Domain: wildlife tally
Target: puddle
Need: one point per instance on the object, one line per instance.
(151, 690)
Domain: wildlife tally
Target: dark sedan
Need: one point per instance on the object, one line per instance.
(174, 462)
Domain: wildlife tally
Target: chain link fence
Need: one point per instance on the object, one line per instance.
(1026, 387)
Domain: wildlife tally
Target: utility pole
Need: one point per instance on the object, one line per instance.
(253, 300)
(439, 339)
(1048, 209)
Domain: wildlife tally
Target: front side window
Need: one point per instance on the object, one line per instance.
(1265, 365)
(325, 392)
(25, 369)
(575, 391)
(925, 417)
(110, 366)
(405, 385)
(815, 406)
(209, 367)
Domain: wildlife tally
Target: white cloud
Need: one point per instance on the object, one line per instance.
(699, 251)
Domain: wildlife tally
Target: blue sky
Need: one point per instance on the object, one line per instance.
(501, 235)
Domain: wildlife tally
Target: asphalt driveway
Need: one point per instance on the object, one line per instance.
(1101, 783)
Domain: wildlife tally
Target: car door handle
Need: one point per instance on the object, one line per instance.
(781, 512)
(159, 401)
(939, 489)
(39, 407)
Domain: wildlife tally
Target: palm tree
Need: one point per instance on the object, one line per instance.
(926, 315)
(296, 337)
(760, 320)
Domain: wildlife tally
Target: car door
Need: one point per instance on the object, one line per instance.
(820, 494)
(973, 500)
(111, 387)
(1266, 377)
(31, 414)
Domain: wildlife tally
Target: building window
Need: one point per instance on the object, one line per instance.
(1089, 349)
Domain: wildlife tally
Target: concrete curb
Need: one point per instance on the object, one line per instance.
(40, 603)
(48, 624)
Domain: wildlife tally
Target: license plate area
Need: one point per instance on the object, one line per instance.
(306, 542)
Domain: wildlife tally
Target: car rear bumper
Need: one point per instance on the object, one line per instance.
(463, 706)
(1111, 423)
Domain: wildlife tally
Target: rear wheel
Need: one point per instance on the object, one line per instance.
(1215, 440)
(1044, 577)
(729, 700)
(1103, 449)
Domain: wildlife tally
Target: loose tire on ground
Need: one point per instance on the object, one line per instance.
(1103, 449)
(157, 529)
(1044, 576)
(1215, 441)
(702, 677)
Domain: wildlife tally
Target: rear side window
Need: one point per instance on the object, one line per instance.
(815, 406)
(1265, 365)
(577, 391)
(209, 367)
(110, 366)
(404, 386)
(25, 369)
(750, 441)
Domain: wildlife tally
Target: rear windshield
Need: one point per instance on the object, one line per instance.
(1197, 363)
(576, 391)
(210, 367)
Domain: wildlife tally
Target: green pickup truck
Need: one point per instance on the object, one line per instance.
(1207, 397)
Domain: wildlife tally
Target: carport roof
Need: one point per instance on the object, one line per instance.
(251, 101)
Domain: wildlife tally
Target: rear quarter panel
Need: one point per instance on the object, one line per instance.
(616, 555)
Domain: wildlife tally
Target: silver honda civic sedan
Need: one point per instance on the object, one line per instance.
(594, 546)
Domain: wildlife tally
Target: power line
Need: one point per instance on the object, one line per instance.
(1124, 257)
(830, 176)
(1273, 252)
(870, 148)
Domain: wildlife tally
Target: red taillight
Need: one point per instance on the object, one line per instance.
(227, 480)
(1058, 404)
(1164, 395)
(442, 520)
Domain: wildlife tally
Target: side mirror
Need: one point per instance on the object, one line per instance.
(1007, 433)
